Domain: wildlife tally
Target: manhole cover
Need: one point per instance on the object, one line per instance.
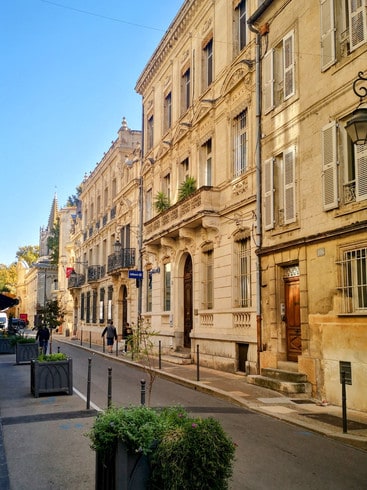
(336, 421)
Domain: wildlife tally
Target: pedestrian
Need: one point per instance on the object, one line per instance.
(43, 335)
(110, 330)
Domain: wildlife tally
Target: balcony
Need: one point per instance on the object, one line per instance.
(96, 272)
(76, 281)
(188, 213)
(125, 259)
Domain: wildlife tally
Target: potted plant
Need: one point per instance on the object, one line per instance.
(26, 349)
(187, 187)
(161, 202)
(7, 346)
(139, 448)
(51, 373)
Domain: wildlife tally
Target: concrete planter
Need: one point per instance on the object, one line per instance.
(6, 346)
(25, 352)
(51, 377)
(122, 470)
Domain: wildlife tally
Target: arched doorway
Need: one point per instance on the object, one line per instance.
(187, 301)
(123, 309)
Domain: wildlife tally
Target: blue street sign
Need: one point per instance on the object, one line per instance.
(135, 275)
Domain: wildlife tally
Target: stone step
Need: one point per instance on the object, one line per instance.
(283, 375)
(282, 386)
(177, 359)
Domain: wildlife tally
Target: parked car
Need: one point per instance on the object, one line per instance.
(3, 321)
(16, 325)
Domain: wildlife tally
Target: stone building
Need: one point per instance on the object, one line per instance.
(314, 195)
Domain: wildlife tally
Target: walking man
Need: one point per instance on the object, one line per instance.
(43, 335)
(110, 330)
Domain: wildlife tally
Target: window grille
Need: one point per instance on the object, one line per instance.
(354, 281)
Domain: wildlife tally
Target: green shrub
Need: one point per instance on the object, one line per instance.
(52, 357)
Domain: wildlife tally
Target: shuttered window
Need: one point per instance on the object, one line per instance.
(268, 194)
(289, 186)
(327, 20)
(288, 65)
(361, 171)
(357, 23)
(329, 167)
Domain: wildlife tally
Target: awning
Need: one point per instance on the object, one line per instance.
(7, 302)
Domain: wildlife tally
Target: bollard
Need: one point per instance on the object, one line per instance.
(103, 344)
(109, 390)
(117, 347)
(58, 349)
(89, 381)
(344, 404)
(197, 364)
(142, 392)
(90, 339)
(81, 337)
(160, 354)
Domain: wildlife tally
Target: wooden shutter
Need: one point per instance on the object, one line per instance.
(357, 11)
(360, 152)
(289, 186)
(288, 64)
(328, 57)
(268, 194)
(329, 167)
(268, 81)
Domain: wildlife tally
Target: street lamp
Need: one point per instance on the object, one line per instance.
(356, 127)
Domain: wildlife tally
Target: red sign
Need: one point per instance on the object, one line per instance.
(69, 270)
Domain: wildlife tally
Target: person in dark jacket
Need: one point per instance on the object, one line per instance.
(43, 335)
(111, 334)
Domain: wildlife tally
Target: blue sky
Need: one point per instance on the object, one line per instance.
(68, 69)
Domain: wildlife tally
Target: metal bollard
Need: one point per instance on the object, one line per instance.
(142, 392)
(109, 390)
(117, 347)
(103, 345)
(160, 354)
(197, 364)
(81, 337)
(344, 404)
(89, 381)
(58, 349)
(90, 339)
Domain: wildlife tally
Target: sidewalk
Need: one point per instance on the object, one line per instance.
(28, 445)
(324, 419)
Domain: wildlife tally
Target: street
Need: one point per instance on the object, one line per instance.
(270, 453)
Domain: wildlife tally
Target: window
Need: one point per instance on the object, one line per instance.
(279, 190)
(354, 281)
(150, 132)
(167, 186)
(148, 205)
(350, 181)
(185, 90)
(167, 110)
(94, 306)
(125, 236)
(278, 73)
(208, 64)
(82, 306)
(343, 28)
(240, 142)
(88, 307)
(149, 283)
(167, 287)
(183, 170)
(240, 23)
(208, 261)
(243, 273)
(101, 305)
(207, 163)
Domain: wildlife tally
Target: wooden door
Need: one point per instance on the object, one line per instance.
(187, 301)
(293, 318)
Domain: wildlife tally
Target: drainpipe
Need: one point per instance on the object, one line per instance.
(251, 26)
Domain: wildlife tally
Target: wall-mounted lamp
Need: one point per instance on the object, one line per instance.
(356, 127)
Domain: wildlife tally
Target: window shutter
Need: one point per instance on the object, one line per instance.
(329, 167)
(357, 23)
(288, 64)
(289, 186)
(268, 81)
(361, 171)
(327, 34)
(268, 194)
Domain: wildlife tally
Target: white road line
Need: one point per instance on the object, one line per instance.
(93, 405)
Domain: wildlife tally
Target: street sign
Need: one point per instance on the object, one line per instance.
(135, 275)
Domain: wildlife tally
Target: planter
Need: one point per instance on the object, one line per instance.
(51, 377)
(6, 346)
(122, 470)
(25, 352)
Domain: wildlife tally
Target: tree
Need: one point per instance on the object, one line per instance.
(53, 243)
(28, 253)
(74, 199)
(53, 314)
(8, 278)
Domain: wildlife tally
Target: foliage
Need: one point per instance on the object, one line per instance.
(8, 278)
(59, 356)
(161, 202)
(53, 243)
(187, 187)
(28, 253)
(185, 453)
(74, 199)
(53, 314)
(21, 339)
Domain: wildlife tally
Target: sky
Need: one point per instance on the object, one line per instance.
(68, 69)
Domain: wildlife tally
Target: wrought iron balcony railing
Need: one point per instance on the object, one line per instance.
(121, 260)
(96, 272)
(76, 281)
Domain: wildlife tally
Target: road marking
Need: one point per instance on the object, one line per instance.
(93, 405)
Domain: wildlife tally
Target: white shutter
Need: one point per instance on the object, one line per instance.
(268, 194)
(268, 81)
(328, 57)
(357, 11)
(288, 65)
(329, 167)
(360, 152)
(289, 186)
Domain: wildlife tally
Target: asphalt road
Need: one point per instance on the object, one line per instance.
(271, 454)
